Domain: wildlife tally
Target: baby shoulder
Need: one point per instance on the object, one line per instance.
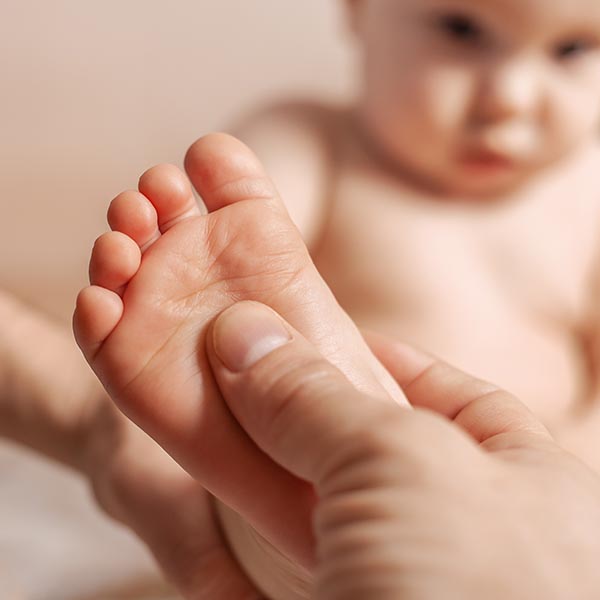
(585, 181)
(310, 124)
(294, 141)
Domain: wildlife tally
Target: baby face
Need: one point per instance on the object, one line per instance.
(474, 96)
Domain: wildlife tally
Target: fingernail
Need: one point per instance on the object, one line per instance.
(247, 332)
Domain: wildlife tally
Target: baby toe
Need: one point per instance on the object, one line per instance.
(169, 190)
(115, 260)
(97, 313)
(134, 215)
(224, 171)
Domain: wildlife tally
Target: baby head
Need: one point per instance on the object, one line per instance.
(473, 97)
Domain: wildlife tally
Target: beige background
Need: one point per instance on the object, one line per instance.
(93, 93)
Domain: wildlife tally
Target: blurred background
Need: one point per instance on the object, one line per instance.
(92, 94)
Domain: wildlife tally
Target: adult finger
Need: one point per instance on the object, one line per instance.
(486, 412)
(295, 405)
(137, 483)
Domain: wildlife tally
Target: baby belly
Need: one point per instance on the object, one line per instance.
(542, 366)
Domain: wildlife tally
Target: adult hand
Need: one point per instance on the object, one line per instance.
(465, 497)
(140, 485)
(51, 402)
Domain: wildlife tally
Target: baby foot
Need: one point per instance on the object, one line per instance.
(160, 277)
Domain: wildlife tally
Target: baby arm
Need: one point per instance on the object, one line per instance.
(47, 393)
(580, 433)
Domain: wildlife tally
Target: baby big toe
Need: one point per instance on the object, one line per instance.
(224, 171)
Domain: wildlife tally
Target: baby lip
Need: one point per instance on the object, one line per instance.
(485, 157)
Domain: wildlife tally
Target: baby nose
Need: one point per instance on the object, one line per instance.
(508, 90)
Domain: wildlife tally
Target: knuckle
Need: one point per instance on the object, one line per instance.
(293, 387)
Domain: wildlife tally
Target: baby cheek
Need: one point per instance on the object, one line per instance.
(445, 98)
(574, 116)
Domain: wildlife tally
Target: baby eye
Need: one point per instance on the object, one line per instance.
(573, 49)
(460, 27)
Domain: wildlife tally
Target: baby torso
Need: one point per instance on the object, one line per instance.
(501, 288)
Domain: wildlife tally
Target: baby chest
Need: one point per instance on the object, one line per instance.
(495, 301)
(386, 249)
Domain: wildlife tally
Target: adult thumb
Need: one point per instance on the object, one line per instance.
(295, 405)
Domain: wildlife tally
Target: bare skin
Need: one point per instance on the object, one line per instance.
(466, 497)
(138, 484)
(57, 407)
(435, 210)
(159, 280)
(474, 283)
(160, 277)
(436, 206)
(517, 301)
